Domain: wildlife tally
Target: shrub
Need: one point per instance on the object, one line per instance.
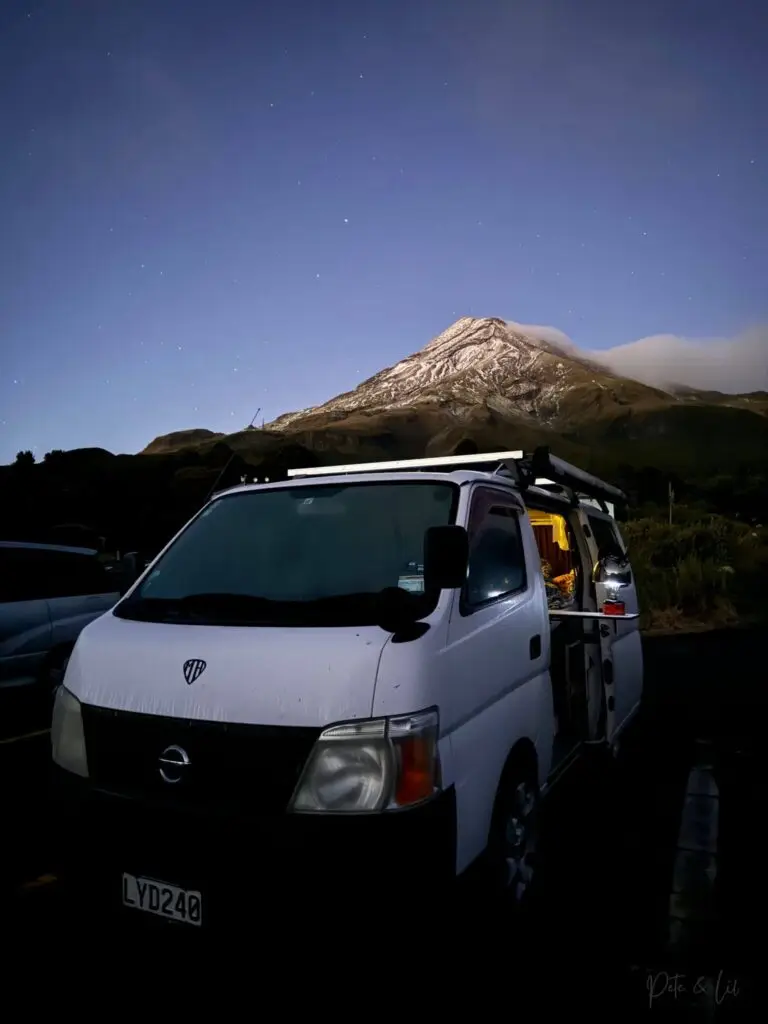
(708, 571)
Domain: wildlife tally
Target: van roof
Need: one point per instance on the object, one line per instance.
(539, 472)
(459, 477)
(66, 548)
(551, 497)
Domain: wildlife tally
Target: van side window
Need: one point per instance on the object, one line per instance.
(496, 555)
(604, 532)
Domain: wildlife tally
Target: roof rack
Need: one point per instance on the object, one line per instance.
(541, 469)
(574, 480)
(498, 459)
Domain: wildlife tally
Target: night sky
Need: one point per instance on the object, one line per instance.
(211, 207)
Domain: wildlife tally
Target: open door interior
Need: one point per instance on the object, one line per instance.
(566, 583)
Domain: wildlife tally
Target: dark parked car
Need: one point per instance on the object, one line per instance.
(48, 593)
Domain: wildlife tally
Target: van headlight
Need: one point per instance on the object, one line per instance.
(67, 735)
(376, 765)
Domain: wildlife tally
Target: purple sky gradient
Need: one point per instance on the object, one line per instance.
(210, 207)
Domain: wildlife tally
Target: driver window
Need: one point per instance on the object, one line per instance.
(496, 554)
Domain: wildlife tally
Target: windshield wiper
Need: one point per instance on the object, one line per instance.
(223, 602)
(193, 607)
(383, 608)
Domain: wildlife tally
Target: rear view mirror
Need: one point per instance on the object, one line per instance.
(446, 557)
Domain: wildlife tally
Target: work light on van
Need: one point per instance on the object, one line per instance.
(67, 736)
(377, 765)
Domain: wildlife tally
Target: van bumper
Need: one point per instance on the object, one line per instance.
(246, 868)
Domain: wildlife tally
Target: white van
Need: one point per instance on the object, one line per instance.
(361, 674)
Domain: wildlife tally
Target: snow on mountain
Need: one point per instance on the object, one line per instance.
(474, 362)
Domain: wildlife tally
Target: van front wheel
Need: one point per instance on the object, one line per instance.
(515, 840)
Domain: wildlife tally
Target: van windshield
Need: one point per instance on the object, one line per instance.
(307, 555)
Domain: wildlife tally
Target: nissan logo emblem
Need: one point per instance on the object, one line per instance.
(173, 761)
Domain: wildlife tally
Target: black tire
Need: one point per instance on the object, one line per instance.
(514, 841)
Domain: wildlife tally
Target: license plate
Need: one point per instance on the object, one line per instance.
(162, 899)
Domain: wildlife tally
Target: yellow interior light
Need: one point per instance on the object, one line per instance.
(556, 523)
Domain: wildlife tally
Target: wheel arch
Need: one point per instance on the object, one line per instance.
(522, 759)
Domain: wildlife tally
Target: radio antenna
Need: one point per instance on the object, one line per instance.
(228, 463)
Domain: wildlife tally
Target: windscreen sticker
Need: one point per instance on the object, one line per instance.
(413, 584)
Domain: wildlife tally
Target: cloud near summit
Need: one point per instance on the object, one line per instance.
(732, 365)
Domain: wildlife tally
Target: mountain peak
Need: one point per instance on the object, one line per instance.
(474, 362)
(465, 325)
(492, 383)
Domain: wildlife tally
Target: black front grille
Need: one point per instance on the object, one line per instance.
(251, 768)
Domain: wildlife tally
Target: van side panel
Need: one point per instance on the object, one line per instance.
(494, 694)
(480, 748)
(628, 660)
(626, 642)
(410, 674)
(411, 677)
(628, 652)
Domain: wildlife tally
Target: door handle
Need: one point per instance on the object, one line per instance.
(535, 647)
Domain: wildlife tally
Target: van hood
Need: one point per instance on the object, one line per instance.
(265, 675)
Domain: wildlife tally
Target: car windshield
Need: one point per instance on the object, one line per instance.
(306, 555)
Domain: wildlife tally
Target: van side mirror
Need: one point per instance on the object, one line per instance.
(613, 569)
(446, 557)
